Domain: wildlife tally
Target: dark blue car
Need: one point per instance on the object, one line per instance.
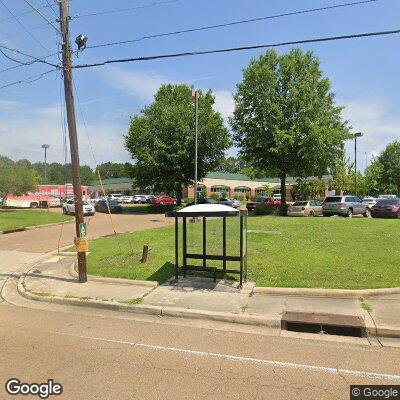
(101, 206)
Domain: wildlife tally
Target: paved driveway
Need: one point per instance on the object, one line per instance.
(18, 249)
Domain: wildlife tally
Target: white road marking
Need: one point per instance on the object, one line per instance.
(271, 363)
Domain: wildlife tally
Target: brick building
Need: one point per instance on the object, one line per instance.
(242, 185)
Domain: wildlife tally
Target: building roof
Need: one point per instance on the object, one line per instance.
(227, 176)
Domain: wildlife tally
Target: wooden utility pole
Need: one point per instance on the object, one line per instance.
(73, 137)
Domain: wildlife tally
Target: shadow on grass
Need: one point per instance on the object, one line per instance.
(163, 274)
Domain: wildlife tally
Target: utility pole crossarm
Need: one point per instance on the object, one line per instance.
(73, 137)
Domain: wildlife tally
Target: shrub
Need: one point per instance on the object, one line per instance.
(264, 209)
(187, 200)
(214, 196)
(282, 210)
(239, 197)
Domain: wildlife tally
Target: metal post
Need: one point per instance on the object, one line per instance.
(355, 164)
(45, 147)
(184, 250)
(196, 144)
(204, 242)
(224, 243)
(241, 251)
(176, 249)
(73, 138)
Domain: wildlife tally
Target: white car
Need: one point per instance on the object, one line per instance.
(69, 207)
(139, 198)
(369, 201)
(127, 199)
(115, 197)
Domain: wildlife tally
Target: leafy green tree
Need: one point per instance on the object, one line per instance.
(286, 120)
(390, 162)
(16, 178)
(161, 140)
(113, 170)
(312, 189)
(59, 174)
(342, 175)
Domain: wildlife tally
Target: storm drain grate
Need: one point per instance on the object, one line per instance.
(321, 323)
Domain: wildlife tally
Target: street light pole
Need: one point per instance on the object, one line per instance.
(195, 96)
(356, 135)
(45, 147)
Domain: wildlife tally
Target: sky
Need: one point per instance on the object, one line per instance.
(363, 72)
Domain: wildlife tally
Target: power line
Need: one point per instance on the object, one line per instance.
(159, 3)
(21, 14)
(233, 23)
(36, 59)
(23, 26)
(51, 8)
(30, 79)
(242, 48)
(42, 15)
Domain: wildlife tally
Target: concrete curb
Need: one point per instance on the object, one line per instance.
(343, 293)
(244, 319)
(29, 228)
(74, 274)
(152, 310)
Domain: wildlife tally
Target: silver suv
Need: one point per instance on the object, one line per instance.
(346, 206)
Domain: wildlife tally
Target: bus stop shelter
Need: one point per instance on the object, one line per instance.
(215, 211)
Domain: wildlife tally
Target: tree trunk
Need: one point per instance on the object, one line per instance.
(179, 196)
(283, 189)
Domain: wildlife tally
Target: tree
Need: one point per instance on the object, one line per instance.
(60, 174)
(113, 170)
(162, 143)
(286, 120)
(312, 189)
(390, 162)
(16, 178)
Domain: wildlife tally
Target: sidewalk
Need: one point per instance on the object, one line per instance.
(200, 298)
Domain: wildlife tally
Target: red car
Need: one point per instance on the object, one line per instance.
(164, 200)
(386, 208)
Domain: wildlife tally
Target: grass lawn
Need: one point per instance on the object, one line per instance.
(21, 219)
(321, 252)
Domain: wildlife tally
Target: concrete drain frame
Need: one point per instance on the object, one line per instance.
(323, 323)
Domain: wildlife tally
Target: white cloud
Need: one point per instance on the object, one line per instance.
(138, 83)
(224, 103)
(379, 122)
(24, 128)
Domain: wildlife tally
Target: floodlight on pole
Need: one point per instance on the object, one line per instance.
(356, 135)
(45, 147)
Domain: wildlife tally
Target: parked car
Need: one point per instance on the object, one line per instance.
(387, 196)
(346, 206)
(276, 199)
(204, 200)
(251, 205)
(306, 208)
(164, 200)
(127, 199)
(69, 207)
(369, 201)
(139, 199)
(386, 208)
(115, 207)
(229, 202)
(150, 199)
(115, 197)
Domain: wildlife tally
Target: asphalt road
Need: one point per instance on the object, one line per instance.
(100, 354)
(97, 354)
